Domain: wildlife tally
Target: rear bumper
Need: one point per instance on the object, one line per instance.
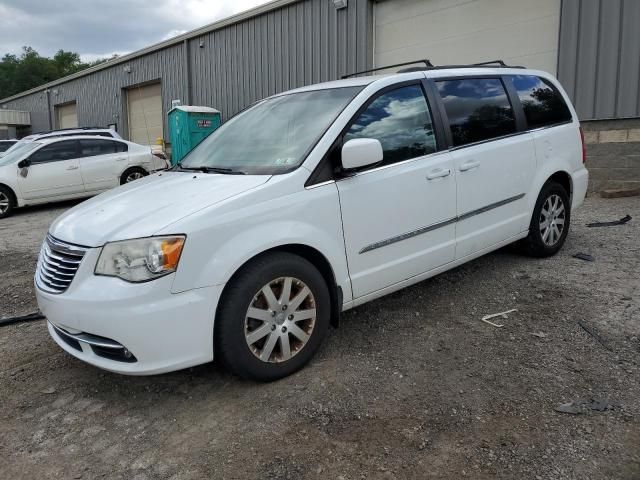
(162, 331)
(580, 183)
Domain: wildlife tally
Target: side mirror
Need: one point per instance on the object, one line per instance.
(361, 152)
(24, 163)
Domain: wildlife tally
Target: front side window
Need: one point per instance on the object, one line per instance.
(542, 104)
(478, 109)
(56, 152)
(401, 121)
(274, 136)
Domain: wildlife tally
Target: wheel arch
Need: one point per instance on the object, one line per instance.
(563, 178)
(317, 259)
(12, 192)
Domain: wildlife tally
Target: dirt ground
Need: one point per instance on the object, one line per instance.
(413, 385)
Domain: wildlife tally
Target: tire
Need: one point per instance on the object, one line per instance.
(544, 240)
(132, 174)
(7, 202)
(250, 330)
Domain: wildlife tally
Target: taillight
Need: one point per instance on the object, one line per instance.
(584, 148)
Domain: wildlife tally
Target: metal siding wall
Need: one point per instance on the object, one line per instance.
(299, 44)
(599, 57)
(37, 105)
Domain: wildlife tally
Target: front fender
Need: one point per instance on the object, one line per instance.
(223, 242)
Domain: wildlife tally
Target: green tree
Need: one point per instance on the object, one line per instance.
(29, 70)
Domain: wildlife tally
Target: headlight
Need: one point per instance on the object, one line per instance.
(142, 259)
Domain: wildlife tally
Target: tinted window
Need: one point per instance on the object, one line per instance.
(56, 152)
(91, 147)
(400, 119)
(478, 109)
(542, 103)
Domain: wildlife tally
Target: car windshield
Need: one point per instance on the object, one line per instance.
(271, 137)
(17, 151)
(13, 147)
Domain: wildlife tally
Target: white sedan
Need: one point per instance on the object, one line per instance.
(63, 168)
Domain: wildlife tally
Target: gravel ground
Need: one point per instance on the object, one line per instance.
(413, 385)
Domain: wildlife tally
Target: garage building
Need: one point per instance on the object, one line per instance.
(593, 46)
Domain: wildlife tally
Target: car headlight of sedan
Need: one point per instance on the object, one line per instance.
(142, 259)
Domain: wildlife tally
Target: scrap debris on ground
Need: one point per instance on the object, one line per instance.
(622, 221)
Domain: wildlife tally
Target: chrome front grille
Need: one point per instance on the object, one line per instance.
(58, 263)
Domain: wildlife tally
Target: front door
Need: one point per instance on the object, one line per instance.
(398, 216)
(54, 172)
(494, 164)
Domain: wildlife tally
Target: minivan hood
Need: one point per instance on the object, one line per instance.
(142, 208)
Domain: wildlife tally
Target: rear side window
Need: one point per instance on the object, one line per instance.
(92, 147)
(542, 103)
(478, 109)
(401, 121)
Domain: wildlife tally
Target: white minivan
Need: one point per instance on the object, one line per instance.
(306, 204)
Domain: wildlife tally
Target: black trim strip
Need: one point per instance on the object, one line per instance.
(491, 206)
(404, 236)
(444, 223)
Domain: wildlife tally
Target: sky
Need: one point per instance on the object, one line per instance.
(101, 28)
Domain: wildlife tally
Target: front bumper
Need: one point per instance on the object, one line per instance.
(162, 331)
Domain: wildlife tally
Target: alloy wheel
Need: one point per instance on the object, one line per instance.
(280, 320)
(133, 176)
(552, 218)
(4, 203)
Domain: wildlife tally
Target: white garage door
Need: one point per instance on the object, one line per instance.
(145, 114)
(67, 116)
(520, 32)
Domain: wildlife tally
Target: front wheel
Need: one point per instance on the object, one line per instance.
(272, 318)
(550, 221)
(7, 202)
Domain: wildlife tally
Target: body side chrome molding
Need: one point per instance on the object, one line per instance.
(444, 223)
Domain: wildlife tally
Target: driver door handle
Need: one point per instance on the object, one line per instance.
(73, 167)
(470, 165)
(438, 173)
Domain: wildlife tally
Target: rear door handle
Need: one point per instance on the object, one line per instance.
(470, 165)
(121, 159)
(73, 167)
(438, 173)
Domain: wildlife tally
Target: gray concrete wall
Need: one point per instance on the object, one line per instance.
(613, 154)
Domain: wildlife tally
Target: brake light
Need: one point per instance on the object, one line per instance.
(584, 148)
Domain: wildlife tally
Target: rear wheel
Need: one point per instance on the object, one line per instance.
(132, 174)
(550, 221)
(7, 202)
(272, 318)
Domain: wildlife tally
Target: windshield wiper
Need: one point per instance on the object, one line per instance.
(204, 169)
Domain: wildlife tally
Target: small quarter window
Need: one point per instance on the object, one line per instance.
(401, 121)
(478, 109)
(542, 103)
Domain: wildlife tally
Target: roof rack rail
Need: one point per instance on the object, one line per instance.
(491, 63)
(430, 66)
(427, 63)
(72, 128)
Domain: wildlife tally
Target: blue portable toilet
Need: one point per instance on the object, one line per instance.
(188, 126)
